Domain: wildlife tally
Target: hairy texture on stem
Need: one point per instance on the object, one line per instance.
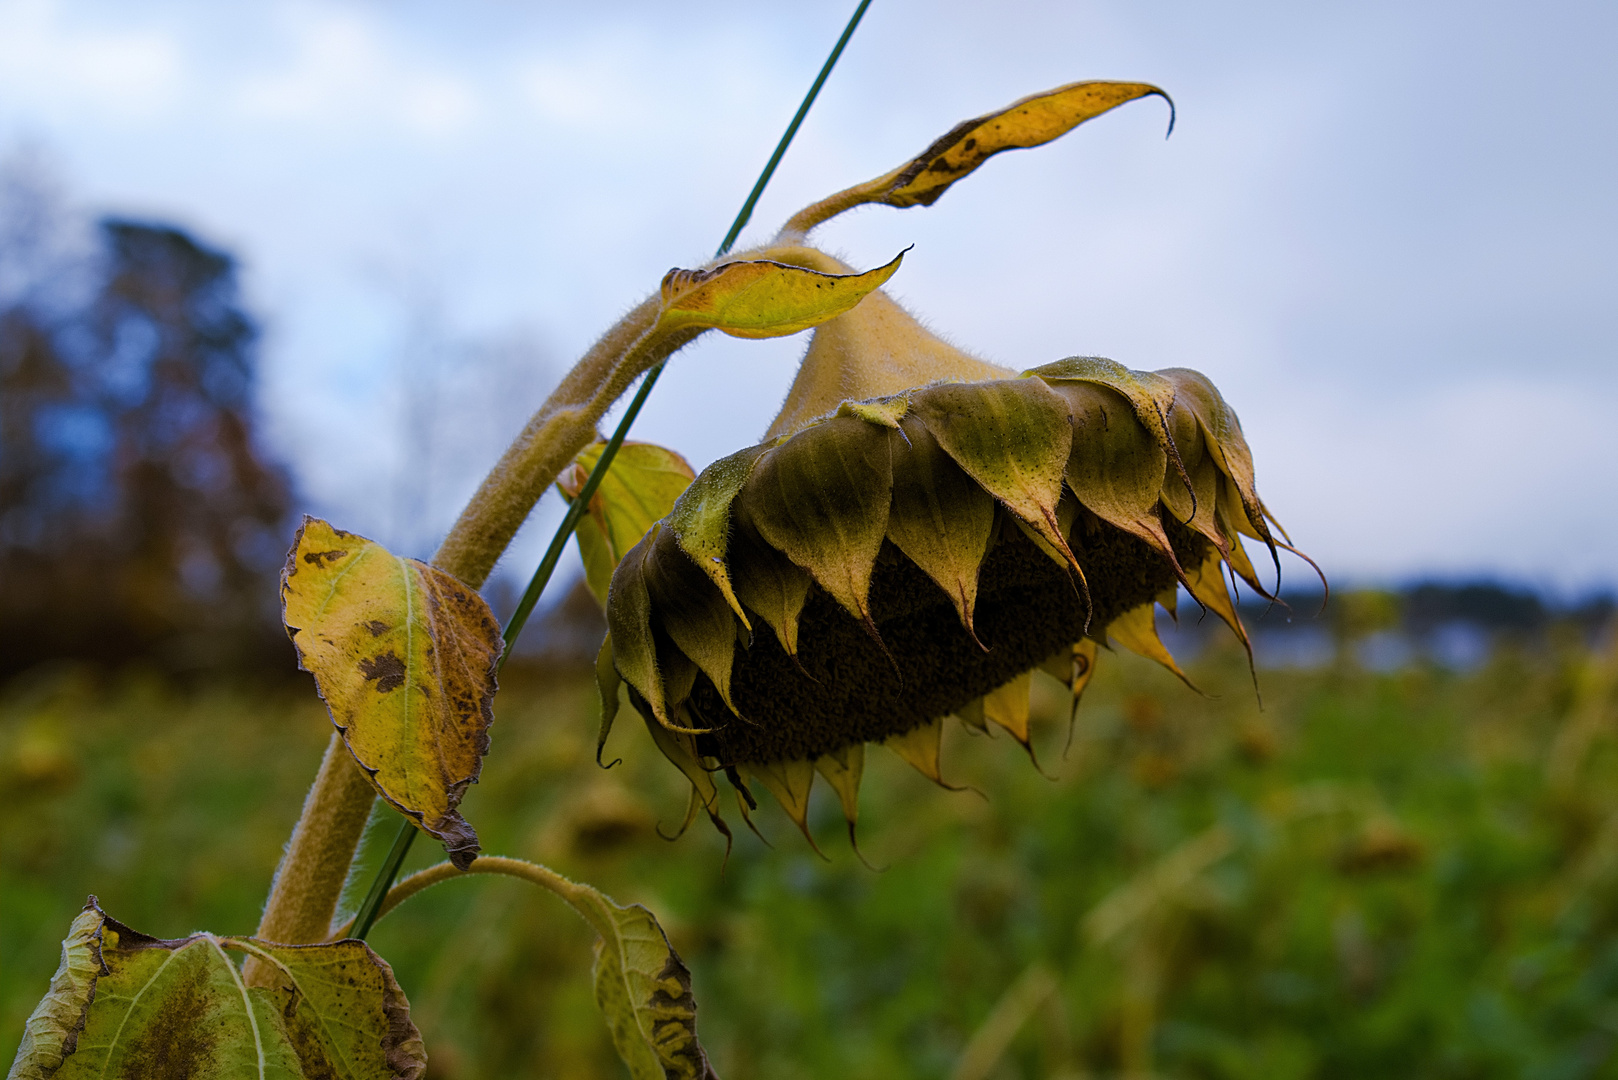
(563, 426)
(310, 880)
(544, 877)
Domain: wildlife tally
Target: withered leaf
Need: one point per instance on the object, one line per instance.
(1032, 121)
(404, 655)
(126, 1004)
(643, 989)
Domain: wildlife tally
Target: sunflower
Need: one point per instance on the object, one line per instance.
(920, 530)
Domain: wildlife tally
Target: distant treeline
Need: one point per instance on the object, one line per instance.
(1423, 607)
(139, 518)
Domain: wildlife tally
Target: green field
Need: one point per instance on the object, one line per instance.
(1411, 874)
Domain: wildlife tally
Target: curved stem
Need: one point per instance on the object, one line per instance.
(543, 876)
(309, 881)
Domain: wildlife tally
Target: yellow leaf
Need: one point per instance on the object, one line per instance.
(404, 655)
(760, 298)
(1033, 121)
(640, 487)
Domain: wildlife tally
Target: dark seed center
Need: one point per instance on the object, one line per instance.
(1028, 609)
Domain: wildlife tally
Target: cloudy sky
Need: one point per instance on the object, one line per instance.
(1386, 230)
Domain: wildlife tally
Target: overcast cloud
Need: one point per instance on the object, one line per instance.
(1386, 230)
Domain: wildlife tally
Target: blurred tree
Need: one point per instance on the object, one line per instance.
(138, 519)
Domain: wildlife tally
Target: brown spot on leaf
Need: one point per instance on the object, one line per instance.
(387, 669)
(377, 627)
(321, 558)
(182, 1046)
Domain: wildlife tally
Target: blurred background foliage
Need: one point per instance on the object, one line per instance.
(1409, 872)
(1405, 862)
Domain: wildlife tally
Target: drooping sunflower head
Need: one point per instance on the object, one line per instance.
(918, 532)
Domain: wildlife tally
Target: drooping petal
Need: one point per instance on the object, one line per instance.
(920, 747)
(940, 519)
(701, 518)
(771, 585)
(1222, 434)
(1206, 581)
(1117, 468)
(842, 769)
(821, 498)
(629, 625)
(790, 782)
(1136, 630)
(1007, 706)
(691, 611)
(681, 750)
(1013, 437)
(608, 683)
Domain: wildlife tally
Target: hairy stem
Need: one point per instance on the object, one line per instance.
(542, 876)
(303, 900)
(310, 880)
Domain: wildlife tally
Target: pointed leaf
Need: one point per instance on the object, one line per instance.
(1194, 500)
(821, 498)
(681, 750)
(760, 298)
(1116, 468)
(1224, 441)
(790, 781)
(1032, 121)
(769, 584)
(1013, 437)
(629, 628)
(1136, 630)
(1206, 582)
(842, 770)
(180, 1008)
(691, 611)
(404, 655)
(920, 747)
(640, 487)
(700, 518)
(940, 518)
(1007, 706)
(643, 990)
(608, 683)
(1149, 393)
